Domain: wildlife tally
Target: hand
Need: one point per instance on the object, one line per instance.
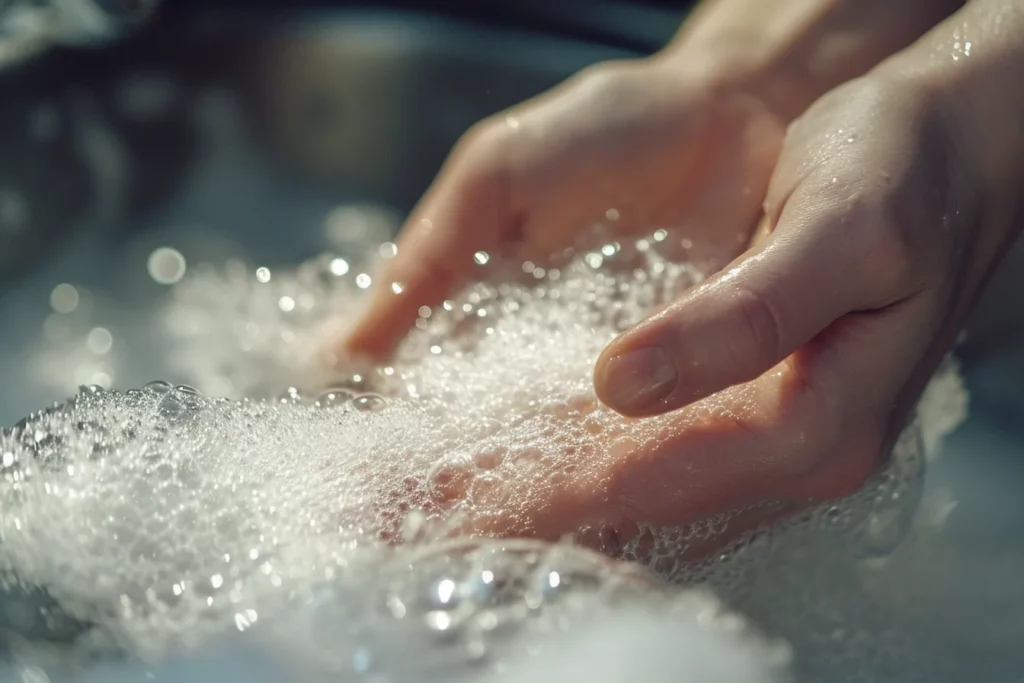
(788, 374)
(630, 145)
(892, 202)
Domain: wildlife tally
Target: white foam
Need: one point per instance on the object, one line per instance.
(166, 517)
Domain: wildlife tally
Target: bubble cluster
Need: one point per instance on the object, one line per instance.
(313, 499)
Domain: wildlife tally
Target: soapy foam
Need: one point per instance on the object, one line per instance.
(178, 516)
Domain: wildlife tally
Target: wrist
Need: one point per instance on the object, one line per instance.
(968, 68)
(964, 76)
(787, 53)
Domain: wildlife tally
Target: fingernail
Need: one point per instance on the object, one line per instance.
(635, 380)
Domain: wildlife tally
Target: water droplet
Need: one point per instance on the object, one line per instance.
(363, 280)
(369, 403)
(481, 257)
(263, 275)
(158, 386)
(291, 395)
(335, 398)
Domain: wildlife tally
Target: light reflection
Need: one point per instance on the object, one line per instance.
(64, 298)
(100, 340)
(439, 621)
(445, 590)
(166, 266)
(339, 267)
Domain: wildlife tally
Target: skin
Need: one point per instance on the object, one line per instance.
(878, 144)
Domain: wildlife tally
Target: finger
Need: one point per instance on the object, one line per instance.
(809, 272)
(466, 211)
(813, 429)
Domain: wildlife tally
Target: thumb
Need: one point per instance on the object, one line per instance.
(744, 320)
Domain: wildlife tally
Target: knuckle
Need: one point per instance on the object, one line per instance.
(887, 241)
(757, 339)
(485, 164)
(883, 226)
(604, 74)
(484, 143)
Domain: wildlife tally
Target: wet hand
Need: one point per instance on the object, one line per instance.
(631, 145)
(893, 199)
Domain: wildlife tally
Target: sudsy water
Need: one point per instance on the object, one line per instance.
(260, 509)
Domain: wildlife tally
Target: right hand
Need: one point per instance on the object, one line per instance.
(635, 145)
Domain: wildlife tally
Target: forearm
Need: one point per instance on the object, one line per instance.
(790, 52)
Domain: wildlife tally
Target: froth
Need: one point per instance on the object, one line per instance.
(163, 515)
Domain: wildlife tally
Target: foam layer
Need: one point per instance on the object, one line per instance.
(165, 517)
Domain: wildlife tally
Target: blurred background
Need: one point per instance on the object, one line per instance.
(266, 131)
